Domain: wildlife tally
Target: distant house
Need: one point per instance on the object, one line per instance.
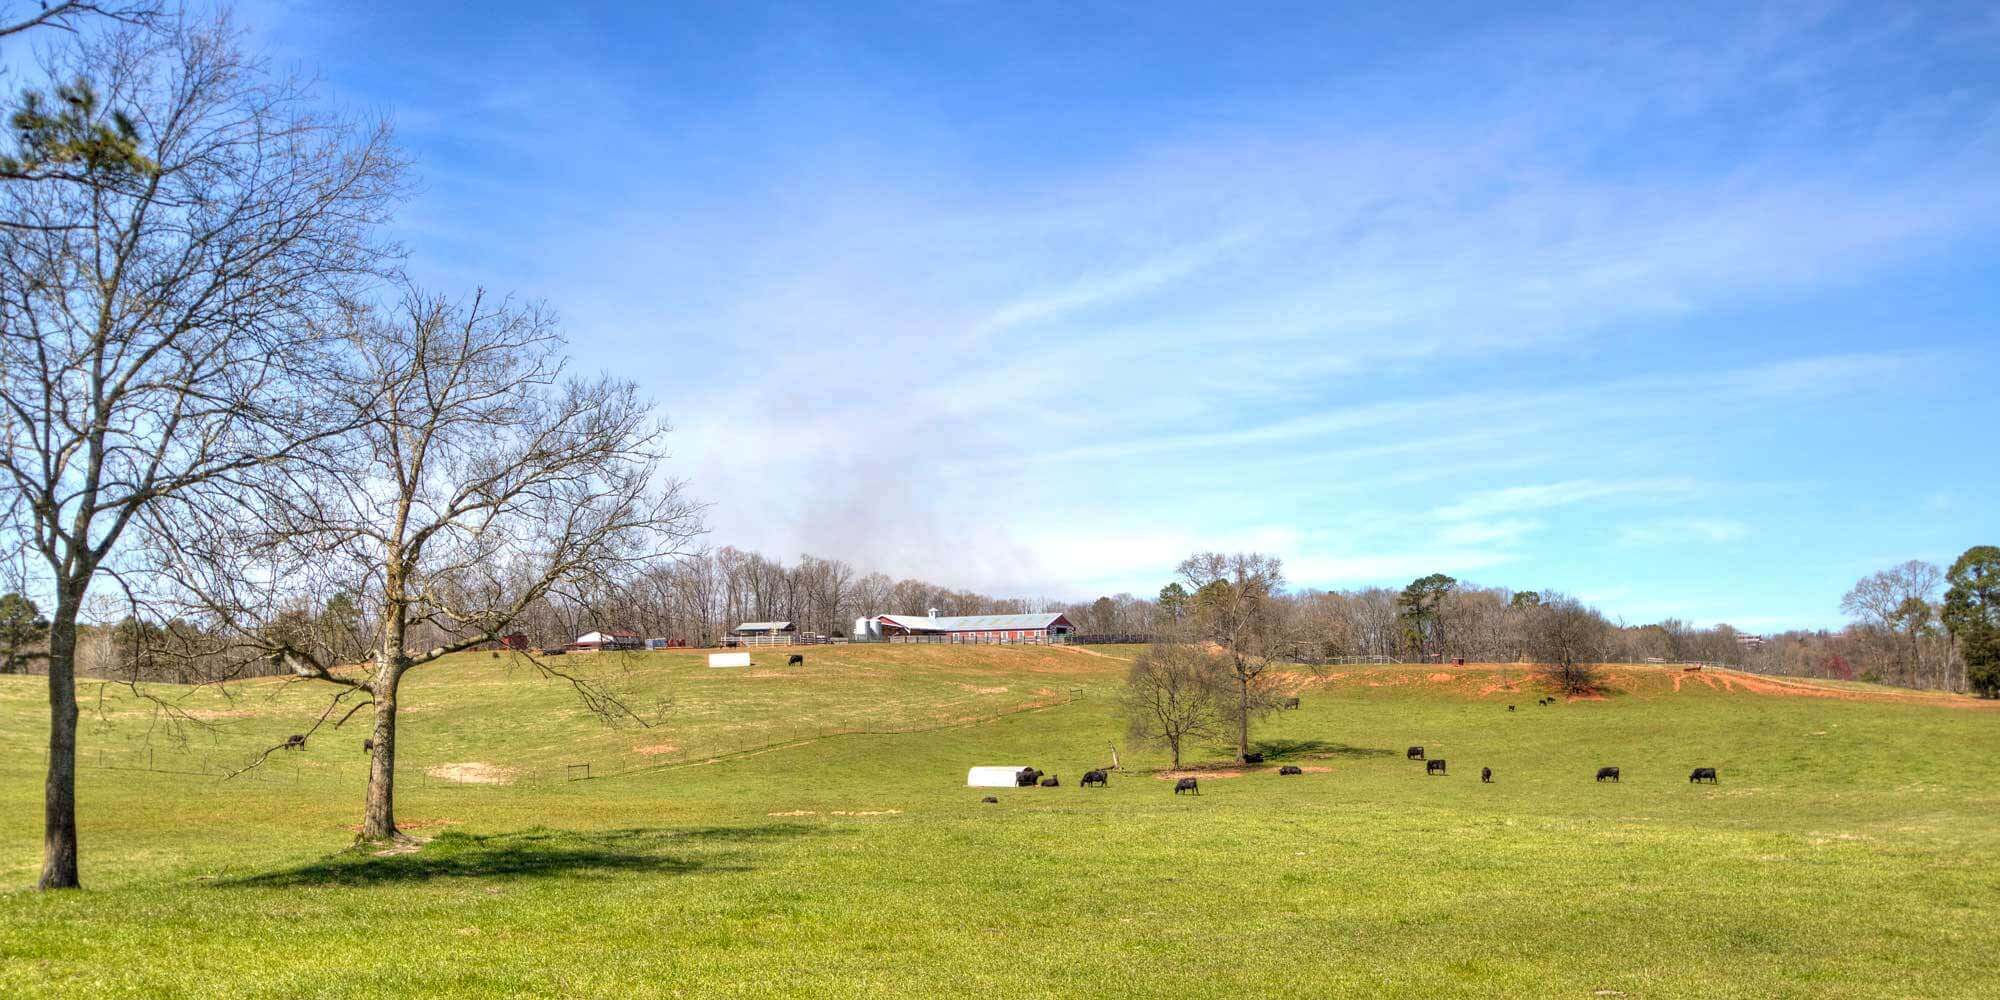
(1044, 626)
(761, 634)
(514, 640)
(608, 640)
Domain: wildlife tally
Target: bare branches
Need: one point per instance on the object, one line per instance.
(67, 14)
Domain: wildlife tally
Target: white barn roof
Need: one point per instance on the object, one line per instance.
(763, 626)
(973, 623)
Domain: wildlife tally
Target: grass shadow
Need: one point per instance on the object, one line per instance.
(1275, 750)
(533, 853)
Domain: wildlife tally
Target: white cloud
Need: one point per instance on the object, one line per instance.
(1683, 531)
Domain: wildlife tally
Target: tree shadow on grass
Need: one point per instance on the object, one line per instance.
(1314, 749)
(537, 852)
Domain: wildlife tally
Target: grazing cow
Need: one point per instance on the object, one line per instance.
(1253, 758)
(1187, 785)
(297, 742)
(1290, 769)
(1096, 778)
(1607, 772)
(1434, 767)
(989, 800)
(796, 660)
(1291, 703)
(368, 744)
(1704, 774)
(1510, 708)
(1051, 782)
(1026, 777)
(1414, 753)
(1485, 775)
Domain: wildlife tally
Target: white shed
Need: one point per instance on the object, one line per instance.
(993, 777)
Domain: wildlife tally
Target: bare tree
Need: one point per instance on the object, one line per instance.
(1899, 601)
(1237, 607)
(159, 311)
(68, 14)
(1568, 638)
(483, 482)
(1176, 693)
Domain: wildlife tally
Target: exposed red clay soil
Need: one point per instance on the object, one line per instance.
(1493, 680)
(1198, 772)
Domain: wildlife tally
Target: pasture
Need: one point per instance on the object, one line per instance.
(777, 837)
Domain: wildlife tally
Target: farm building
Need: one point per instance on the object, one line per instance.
(1045, 626)
(608, 640)
(762, 634)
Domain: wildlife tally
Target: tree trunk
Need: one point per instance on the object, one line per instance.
(59, 868)
(378, 819)
(1242, 718)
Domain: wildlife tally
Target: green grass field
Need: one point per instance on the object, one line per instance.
(776, 838)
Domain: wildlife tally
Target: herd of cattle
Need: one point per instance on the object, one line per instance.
(1030, 777)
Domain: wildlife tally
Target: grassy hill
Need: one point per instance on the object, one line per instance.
(806, 832)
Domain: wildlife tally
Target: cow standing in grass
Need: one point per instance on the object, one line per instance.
(1701, 774)
(1610, 773)
(1188, 785)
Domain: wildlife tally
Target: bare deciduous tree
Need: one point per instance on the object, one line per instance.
(1176, 693)
(158, 313)
(1568, 638)
(482, 482)
(1237, 607)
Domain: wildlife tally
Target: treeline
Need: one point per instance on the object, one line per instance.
(1900, 638)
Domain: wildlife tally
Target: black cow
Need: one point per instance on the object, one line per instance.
(1607, 772)
(1051, 782)
(989, 799)
(1510, 708)
(1486, 775)
(796, 660)
(1291, 703)
(1290, 769)
(1434, 767)
(1703, 774)
(1415, 753)
(1253, 758)
(1187, 785)
(297, 742)
(1096, 778)
(1026, 777)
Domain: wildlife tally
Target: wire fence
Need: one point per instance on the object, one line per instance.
(225, 767)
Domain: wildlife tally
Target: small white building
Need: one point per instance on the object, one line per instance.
(608, 640)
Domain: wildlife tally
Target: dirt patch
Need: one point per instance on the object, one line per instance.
(1198, 773)
(1312, 769)
(473, 773)
(1440, 678)
(866, 812)
(794, 812)
(406, 825)
(656, 749)
(975, 689)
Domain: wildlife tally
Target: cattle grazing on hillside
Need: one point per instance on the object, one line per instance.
(796, 660)
(1607, 772)
(1187, 785)
(1485, 775)
(1414, 753)
(1290, 769)
(989, 799)
(1026, 777)
(296, 742)
(1051, 782)
(1703, 774)
(1290, 703)
(1096, 778)
(1434, 767)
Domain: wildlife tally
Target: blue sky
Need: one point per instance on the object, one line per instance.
(1691, 313)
